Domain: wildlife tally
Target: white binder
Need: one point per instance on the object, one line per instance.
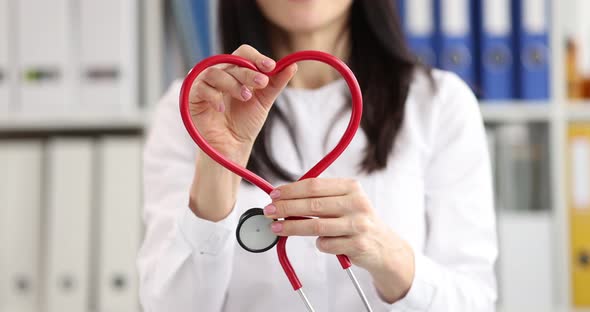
(6, 57)
(108, 55)
(120, 223)
(20, 200)
(526, 277)
(46, 56)
(68, 226)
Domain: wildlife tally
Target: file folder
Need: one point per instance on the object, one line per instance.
(533, 48)
(497, 46)
(20, 223)
(579, 211)
(120, 222)
(108, 40)
(456, 37)
(46, 56)
(417, 18)
(69, 191)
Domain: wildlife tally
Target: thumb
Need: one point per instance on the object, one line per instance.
(276, 84)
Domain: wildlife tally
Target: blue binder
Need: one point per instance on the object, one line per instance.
(201, 18)
(496, 62)
(456, 38)
(417, 17)
(185, 26)
(532, 19)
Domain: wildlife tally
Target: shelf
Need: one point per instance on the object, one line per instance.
(578, 111)
(27, 123)
(515, 111)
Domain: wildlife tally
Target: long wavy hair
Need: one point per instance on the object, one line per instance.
(376, 35)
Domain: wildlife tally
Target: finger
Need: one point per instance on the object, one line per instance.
(315, 187)
(264, 63)
(276, 84)
(345, 245)
(248, 77)
(313, 227)
(334, 206)
(202, 93)
(224, 82)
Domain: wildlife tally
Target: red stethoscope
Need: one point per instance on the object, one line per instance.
(253, 232)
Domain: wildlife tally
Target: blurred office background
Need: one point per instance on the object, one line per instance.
(79, 80)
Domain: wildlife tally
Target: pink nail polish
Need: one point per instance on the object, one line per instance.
(275, 194)
(268, 63)
(276, 227)
(270, 209)
(246, 93)
(259, 79)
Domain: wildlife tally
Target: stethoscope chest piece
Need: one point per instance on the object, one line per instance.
(254, 233)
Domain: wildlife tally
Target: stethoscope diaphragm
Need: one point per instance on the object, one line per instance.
(253, 232)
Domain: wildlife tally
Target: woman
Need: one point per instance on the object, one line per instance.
(409, 202)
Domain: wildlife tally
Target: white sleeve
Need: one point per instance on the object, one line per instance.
(455, 271)
(184, 262)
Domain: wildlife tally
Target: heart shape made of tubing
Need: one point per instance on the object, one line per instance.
(353, 125)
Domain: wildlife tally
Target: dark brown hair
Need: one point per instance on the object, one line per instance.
(376, 35)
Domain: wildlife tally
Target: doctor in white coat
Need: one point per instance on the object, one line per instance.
(409, 202)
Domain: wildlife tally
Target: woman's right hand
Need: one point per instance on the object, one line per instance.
(229, 104)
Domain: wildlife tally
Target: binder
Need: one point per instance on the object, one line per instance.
(69, 191)
(108, 41)
(201, 14)
(6, 57)
(514, 168)
(496, 46)
(120, 223)
(46, 56)
(20, 222)
(417, 18)
(533, 48)
(525, 268)
(186, 31)
(579, 212)
(491, 140)
(456, 37)
(214, 27)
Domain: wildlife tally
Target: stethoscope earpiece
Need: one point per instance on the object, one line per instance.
(253, 232)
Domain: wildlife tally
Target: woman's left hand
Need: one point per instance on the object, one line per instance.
(347, 225)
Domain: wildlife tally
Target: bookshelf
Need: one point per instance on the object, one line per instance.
(515, 111)
(99, 142)
(73, 123)
(578, 111)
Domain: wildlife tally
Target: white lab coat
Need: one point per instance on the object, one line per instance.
(435, 193)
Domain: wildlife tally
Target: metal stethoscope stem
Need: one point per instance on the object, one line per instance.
(356, 284)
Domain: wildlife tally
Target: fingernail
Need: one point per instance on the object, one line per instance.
(246, 93)
(270, 210)
(276, 227)
(259, 79)
(268, 63)
(275, 194)
(221, 107)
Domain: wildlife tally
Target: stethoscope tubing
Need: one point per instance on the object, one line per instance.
(315, 171)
